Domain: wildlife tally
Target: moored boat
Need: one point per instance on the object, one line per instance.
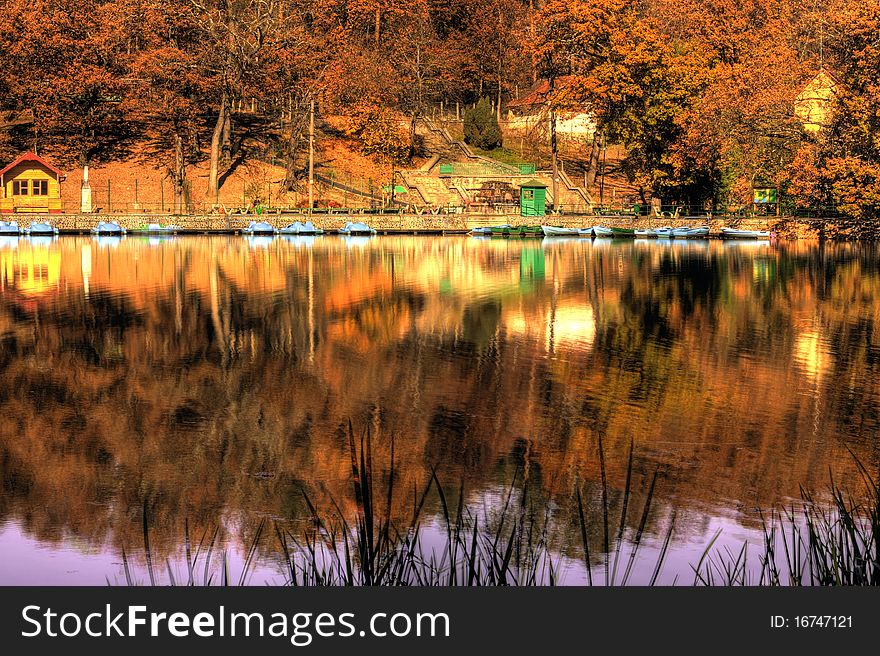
(700, 231)
(680, 233)
(357, 228)
(735, 233)
(259, 228)
(600, 231)
(664, 232)
(108, 228)
(41, 228)
(623, 232)
(298, 228)
(555, 231)
(159, 228)
(9, 228)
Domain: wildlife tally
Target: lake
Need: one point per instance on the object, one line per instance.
(209, 382)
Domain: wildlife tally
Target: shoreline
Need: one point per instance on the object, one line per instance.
(440, 224)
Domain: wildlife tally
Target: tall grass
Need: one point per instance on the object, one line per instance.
(836, 543)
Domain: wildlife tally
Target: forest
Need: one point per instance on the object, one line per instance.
(698, 93)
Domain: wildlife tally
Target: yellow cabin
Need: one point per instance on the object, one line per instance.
(814, 104)
(30, 184)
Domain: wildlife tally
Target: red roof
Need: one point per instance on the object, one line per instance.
(33, 157)
(540, 92)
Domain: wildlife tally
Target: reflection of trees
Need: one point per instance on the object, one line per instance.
(214, 380)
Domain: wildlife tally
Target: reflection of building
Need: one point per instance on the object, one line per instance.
(813, 105)
(30, 269)
(30, 184)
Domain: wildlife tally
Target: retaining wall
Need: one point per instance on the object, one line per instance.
(407, 223)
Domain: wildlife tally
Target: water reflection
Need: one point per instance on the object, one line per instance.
(212, 377)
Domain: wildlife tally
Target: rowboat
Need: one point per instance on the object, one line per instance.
(623, 232)
(489, 230)
(9, 228)
(259, 228)
(356, 229)
(298, 228)
(665, 232)
(108, 228)
(598, 231)
(681, 233)
(41, 228)
(701, 231)
(554, 231)
(735, 233)
(159, 228)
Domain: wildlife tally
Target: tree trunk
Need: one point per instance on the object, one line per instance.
(226, 139)
(213, 191)
(378, 24)
(593, 166)
(412, 134)
(178, 176)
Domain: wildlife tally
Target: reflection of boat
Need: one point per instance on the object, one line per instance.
(9, 241)
(701, 231)
(108, 228)
(359, 240)
(42, 240)
(297, 228)
(108, 240)
(554, 231)
(9, 228)
(259, 228)
(41, 228)
(300, 240)
(357, 228)
(260, 240)
(735, 233)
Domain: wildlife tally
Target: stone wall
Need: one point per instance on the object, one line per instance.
(408, 223)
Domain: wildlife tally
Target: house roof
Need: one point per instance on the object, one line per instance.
(534, 184)
(32, 157)
(539, 94)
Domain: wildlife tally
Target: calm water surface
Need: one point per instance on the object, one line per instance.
(211, 379)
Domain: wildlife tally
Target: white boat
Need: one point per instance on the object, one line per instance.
(701, 231)
(680, 233)
(357, 228)
(108, 228)
(735, 233)
(41, 228)
(598, 231)
(554, 231)
(297, 228)
(259, 228)
(160, 229)
(664, 232)
(9, 228)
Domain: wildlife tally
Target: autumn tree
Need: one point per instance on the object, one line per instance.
(61, 65)
(841, 167)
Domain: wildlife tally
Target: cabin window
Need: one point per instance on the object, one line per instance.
(39, 187)
(20, 187)
(528, 194)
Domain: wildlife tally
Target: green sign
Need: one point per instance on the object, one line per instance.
(763, 196)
